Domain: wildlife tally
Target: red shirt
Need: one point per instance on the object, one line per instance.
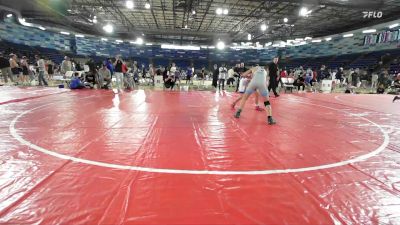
(283, 73)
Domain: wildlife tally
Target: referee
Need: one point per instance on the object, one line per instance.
(273, 76)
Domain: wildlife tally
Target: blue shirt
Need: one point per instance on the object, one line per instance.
(75, 83)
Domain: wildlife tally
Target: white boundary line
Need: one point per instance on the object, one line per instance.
(385, 143)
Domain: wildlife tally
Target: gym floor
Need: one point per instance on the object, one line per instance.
(159, 157)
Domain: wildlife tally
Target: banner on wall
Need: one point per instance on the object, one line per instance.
(383, 37)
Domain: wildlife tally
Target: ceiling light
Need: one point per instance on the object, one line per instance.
(129, 4)
(119, 41)
(104, 39)
(220, 45)
(147, 5)
(393, 25)
(219, 11)
(285, 20)
(369, 31)
(139, 41)
(348, 35)
(264, 27)
(249, 37)
(79, 35)
(316, 40)
(307, 38)
(149, 44)
(65, 33)
(108, 28)
(9, 15)
(328, 39)
(42, 28)
(180, 47)
(24, 23)
(304, 11)
(69, 10)
(225, 11)
(193, 12)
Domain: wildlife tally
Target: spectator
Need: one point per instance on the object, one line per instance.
(322, 74)
(339, 75)
(76, 82)
(189, 75)
(66, 65)
(222, 76)
(50, 69)
(396, 82)
(5, 68)
(165, 73)
(42, 67)
(170, 81)
(300, 82)
(355, 77)
(104, 75)
(25, 69)
(119, 76)
(215, 76)
(381, 89)
(14, 66)
(231, 77)
(110, 66)
(241, 69)
(374, 80)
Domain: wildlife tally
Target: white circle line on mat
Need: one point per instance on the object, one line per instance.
(385, 143)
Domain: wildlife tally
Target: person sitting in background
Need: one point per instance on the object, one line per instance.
(76, 82)
(396, 82)
(104, 75)
(300, 82)
(381, 89)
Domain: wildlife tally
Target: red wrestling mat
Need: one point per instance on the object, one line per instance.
(152, 157)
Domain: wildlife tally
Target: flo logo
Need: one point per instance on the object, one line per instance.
(372, 14)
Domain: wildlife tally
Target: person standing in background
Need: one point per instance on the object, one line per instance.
(50, 69)
(66, 65)
(222, 76)
(14, 66)
(42, 67)
(110, 66)
(25, 70)
(215, 76)
(119, 76)
(273, 76)
(5, 68)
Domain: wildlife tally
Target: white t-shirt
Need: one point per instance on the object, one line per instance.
(231, 73)
(41, 65)
(172, 71)
(223, 73)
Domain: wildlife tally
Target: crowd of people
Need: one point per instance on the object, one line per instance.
(128, 73)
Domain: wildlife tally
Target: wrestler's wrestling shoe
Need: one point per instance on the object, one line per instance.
(271, 121)
(237, 114)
